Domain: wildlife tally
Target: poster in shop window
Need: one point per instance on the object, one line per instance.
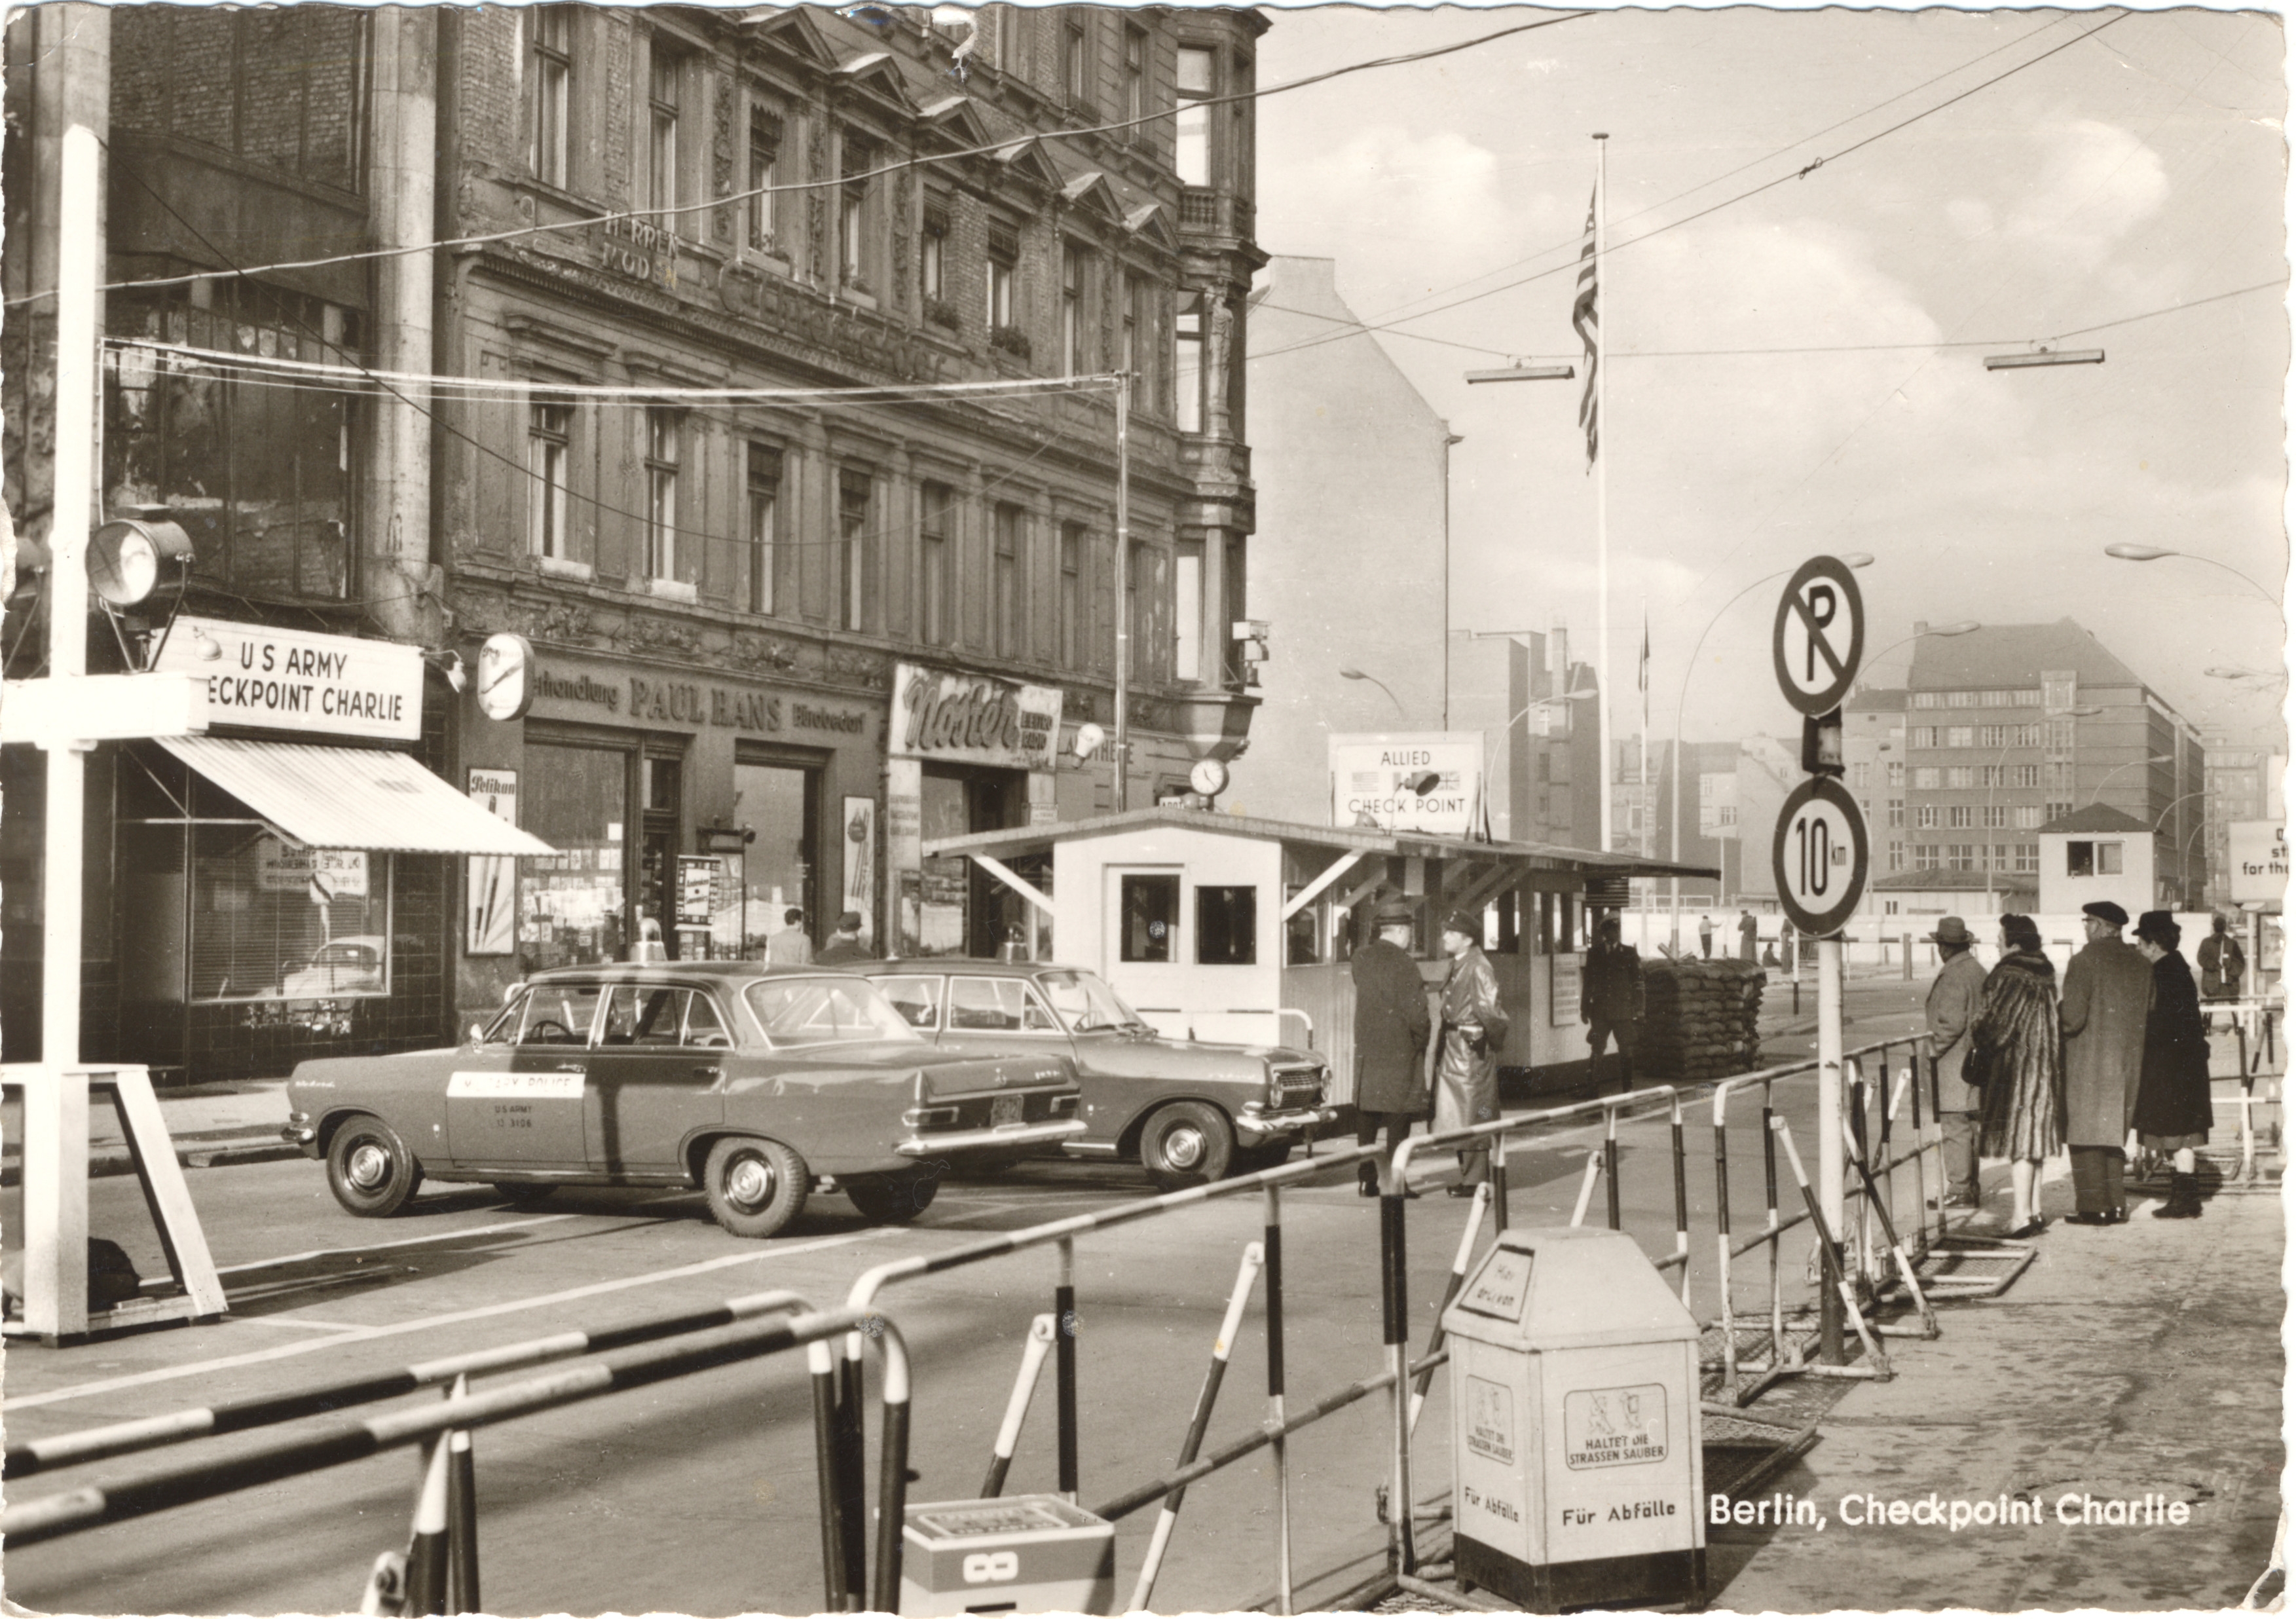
(491, 899)
(859, 825)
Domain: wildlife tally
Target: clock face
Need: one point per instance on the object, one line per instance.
(1209, 776)
(505, 686)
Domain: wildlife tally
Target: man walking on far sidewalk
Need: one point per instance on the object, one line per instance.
(1955, 998)
(2108, 991)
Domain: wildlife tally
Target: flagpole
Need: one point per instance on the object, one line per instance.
(1602, 492)
(1646, 801)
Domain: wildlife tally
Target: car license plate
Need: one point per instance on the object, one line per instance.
(1004, 1110)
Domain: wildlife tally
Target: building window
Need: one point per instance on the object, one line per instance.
(2024, 776)
(1071, 606)
(934, 549)
(1897, 774)
(1193, 153)
(2061, 735)
(1956, 816)
(1227, 926)
(1897, 813)
(551, 34)
(1004, 582)
(2029, 858)
(2054, 811)
(1960, 700)
(1188, 610)
(2080, 859)
(1072, 316)
(2060, 775)
(1961, 857)
(765, 491)
(2028, 817)
(1997, 816)
(1926, 777)
(764, 170)
(857, 158)
(2107, 859)
(1960, 775)
(274, 940)
(1135, 564)
(1188, 365)
(1961, 737)
(1861, 774)
(1921, 736)
(1726, 815)
(664, 429)
(549, 424)
(1925, 700)
(1896, 855)
(663, 71)
(1076, 63)
(2057, 690)
(852, 546)
(1136, 83)
(1136, 321)
(933, 265)
(1004, 257)
(1925, 816)
(1925, 857)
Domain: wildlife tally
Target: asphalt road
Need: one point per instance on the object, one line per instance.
(698, 1496)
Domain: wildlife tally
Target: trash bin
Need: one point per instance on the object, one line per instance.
(1574, 1400)
(1028, 1554)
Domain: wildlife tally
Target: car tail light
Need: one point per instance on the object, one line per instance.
(929, 1118)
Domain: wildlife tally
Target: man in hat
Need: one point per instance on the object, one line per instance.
(1392, 1030)
(1957, 996)
(2108, 991)
(2223, 963)
(1467, 1063)
(846, 945)
(1610, 1002)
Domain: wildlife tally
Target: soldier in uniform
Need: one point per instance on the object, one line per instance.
(1467, 1063)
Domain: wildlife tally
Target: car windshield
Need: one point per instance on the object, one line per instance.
(819, 1011)
(1085, 1003)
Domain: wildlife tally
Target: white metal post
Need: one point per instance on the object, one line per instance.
(1828, 1145)
(1123, 743)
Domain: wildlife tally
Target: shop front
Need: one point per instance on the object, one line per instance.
(682, 808)
(965, 753)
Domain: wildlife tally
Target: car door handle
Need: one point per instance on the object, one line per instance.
(573, 1068)
(705, 1071)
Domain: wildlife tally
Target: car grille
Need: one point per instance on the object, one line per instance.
(1298, 1085)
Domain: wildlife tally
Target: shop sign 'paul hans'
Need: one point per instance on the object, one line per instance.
(938, 714)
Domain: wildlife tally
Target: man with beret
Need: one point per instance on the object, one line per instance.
(1392, 1030)
(2108, 992)
(1610, 1003)
(1956, 998)
(846, 945)
(1467, 1063)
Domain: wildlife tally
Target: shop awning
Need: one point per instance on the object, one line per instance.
(351, 798)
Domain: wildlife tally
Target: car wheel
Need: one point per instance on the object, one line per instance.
(1187, 1144)
(893, 1200)
(755, 1188)
(1250, 1159)
(370, 1170)
(524, 1191)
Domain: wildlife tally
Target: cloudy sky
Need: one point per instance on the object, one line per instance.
(2138, 170)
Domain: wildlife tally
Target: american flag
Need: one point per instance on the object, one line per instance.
(1585, 320)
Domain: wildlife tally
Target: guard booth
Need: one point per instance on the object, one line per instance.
(1223, 927)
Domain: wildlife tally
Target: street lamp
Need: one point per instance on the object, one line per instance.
(1506, 729)
(1855, 559)
(2045, 355)
(2127, 553)
(2158, 759)
(1356, 674)
(2182, 892)
(1959, 627)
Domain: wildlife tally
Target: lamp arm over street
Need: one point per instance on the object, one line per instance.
(2126, 552)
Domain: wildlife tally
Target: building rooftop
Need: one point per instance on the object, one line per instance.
(1939, 878)
(2096, 817)
(2014, 655)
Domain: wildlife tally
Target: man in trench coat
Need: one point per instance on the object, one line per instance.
(2108, 991)
(1474, 1029)
(1391, 1029)
(1955, 998)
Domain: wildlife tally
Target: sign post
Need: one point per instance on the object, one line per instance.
(1819, 854)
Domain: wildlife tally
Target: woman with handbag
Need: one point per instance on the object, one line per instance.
(2019, 1057)
(2173, 1107)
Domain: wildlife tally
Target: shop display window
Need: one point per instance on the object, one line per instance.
(273, 921)
(571, 903)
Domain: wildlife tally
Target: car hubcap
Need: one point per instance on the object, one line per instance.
(1183, 1148)
(370, 1166)
(749, 1182)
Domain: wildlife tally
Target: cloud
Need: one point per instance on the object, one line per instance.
(2093, 183)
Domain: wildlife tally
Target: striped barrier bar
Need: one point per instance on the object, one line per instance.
(33, 1455)
(1016, 1409)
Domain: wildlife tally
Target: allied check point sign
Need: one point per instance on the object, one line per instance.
(1819, 636)
(1819, 856)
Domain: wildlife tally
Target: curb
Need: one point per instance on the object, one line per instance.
(103, 1164)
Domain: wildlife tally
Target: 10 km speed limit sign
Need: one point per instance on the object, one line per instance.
(1819, 636)
(1819, 856)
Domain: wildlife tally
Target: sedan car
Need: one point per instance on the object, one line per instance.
(759, 1085)
(1188, 1111)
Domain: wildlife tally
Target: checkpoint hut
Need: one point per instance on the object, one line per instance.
(1226, 927)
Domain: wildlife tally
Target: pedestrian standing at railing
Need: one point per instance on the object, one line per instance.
(1467, 1061)
(2108, 989)
(2021, 1056)
(1391, 1029)
(2223, 964)
(2173, 1110)
(1957, 998)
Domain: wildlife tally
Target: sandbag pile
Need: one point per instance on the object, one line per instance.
(1699, 1017)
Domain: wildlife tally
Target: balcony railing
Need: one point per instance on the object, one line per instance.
(1216, 212)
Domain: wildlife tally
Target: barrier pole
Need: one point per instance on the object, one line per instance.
(1451, 1286)
(1854, 1144)
(1770, 1192)
(1722, 1240)
(1207, 1396)
(1905, 1264)
(1586, 1186)
(1016, 1409)
(1611, 1160)
(1273, 1240)
(461, 1516)
(2247, 1126)
(1395, 1304)
(1064, 1365)
(852, 1475)
(893, 1469)
(1832, 1258)
(1499, 1182)
(1829, 1126)
(821, 1362)
(1681, 1202)
(426, 1547)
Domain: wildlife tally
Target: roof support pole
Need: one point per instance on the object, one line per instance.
(1331, 873)
(1015, 881)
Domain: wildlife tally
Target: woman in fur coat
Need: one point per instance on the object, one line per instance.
(2020, 1054)
(2173, 1110)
